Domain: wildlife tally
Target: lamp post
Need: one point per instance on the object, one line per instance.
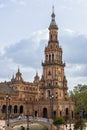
(51, 108)
(28, 120)
(81, 113)
(51, 105)
(69, 115)
(7, 109)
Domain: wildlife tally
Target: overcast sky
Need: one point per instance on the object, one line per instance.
(24, 34)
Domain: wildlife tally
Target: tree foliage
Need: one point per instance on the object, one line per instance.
(59, 121)
(79, 96)
(79, 123)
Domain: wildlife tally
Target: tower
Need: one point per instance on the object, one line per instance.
(53, 81)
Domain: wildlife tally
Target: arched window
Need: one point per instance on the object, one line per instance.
(51, 37)
(52, 57)
(15, 109)
(46, 57)
(49, 73)
(48, 93)
(49, 58)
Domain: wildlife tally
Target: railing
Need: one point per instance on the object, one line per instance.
(24, 118)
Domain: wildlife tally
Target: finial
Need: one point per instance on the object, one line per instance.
(18, 69)
(13, 76)
(53, 14)
(36, 73)
(53, 9)
(53, 23)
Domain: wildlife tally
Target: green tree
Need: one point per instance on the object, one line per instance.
(79, 123)
(79, 96)
(58, 121)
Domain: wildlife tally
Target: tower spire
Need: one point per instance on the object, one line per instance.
(53, 23)
(53, 9)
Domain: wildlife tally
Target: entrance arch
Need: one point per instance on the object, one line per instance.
(67, 114)
(45, 112)
(4, 109)
(67, 111)
(21, 109)
(15, 109)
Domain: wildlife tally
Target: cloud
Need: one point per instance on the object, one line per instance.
(29, 53)
(74, 46)
(73, 81)
(19, 2)
(2, 5)
(75, 70)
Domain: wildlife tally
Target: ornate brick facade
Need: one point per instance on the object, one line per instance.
(45, 97)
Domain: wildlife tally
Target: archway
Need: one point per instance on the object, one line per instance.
(67, 111)
(54, 114)
(72, 115)
(21, 109)
(36, 114)
(67, 114)
(15, 109)
(4, 109)
(45, 112)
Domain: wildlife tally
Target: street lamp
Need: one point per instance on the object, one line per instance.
(28, 120)
(51, 108)
(81, 113)
(51, 105)
(7, 109)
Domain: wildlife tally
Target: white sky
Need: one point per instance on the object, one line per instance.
(23, 28)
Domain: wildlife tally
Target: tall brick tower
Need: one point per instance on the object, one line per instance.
(54, 99)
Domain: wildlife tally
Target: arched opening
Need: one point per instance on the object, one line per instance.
(60, 113)
(46, 57)
(48, 93)
(67, 114)
(52, 57)
(21, 109)
(15, 109)
(4, 109)
(49, 58)
(67, 111)
(35, 113)
(51, 37)
(54, 114)
(72, 114)
(45, 112)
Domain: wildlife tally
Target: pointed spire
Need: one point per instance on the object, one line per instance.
(18, 70)
(53, 14)
(53, 8)
(13, 76)
(36, 73)
(18, 73)
(53, 23)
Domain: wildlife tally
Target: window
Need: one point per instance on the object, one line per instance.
(52, 57)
